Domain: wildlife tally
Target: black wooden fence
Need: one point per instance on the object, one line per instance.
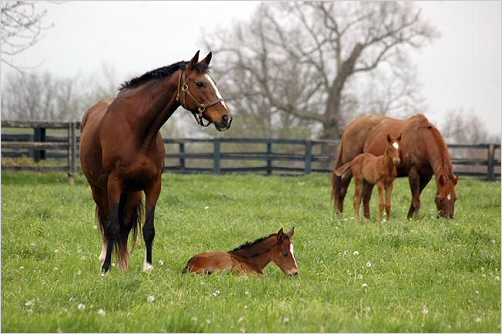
(53, 146)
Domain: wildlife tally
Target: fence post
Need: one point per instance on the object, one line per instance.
(182, 153)
(216, 157)
(308, 157)
(491, 162)
(39, 134)
(269, 157)
(72, 152)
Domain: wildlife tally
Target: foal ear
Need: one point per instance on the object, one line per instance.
(194, 61)
(455, 180)
(292, 232)
(400, 137)
(207, 60)
(280, 235)
(389, 138)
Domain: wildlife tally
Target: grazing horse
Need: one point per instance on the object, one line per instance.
(423, 154)
(250, 257)
(367, 168)
(122, 152)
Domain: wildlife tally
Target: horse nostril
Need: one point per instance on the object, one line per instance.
(224, 118)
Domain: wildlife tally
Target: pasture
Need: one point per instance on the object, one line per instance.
(426, 275)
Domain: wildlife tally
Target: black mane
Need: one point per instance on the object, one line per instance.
(160, 73)
(250, 244)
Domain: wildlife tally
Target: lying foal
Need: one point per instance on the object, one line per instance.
(250, 257)
(367, 168)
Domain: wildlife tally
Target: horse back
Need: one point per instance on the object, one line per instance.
(417, 138)
(354, 137)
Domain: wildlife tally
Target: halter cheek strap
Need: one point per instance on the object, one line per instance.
(201, 107)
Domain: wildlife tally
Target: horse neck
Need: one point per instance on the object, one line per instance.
(257, 254)
(386, 163)
(158, 103)
(439, 157)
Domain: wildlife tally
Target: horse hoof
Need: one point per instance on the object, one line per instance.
(105, 268)
(147, 267)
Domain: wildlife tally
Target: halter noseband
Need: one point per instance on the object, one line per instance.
(201, 107)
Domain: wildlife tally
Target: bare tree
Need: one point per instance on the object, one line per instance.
(21, 27)
(320, 64)
(466, 128)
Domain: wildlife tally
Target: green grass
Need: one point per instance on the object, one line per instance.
(427, 275)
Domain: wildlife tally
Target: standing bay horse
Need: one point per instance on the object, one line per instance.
(251, 257)
(122, 152)
(423, 154)
(381, 170)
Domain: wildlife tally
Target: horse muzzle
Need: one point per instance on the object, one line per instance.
(224, 123)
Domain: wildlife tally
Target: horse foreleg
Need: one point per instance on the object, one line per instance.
(357, 198)
(131, 219)
(381, 201)
(340, 185)
(152, 195)
(112, 228)
(417, 184)
(367, 190)
(388, 194)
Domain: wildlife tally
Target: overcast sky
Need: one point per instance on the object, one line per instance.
(459, 71)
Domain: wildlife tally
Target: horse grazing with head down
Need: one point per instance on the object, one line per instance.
(367, 168)
(122, 152)
(423, 154)
(251, 257)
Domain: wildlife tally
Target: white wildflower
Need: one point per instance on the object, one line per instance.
(81, 307)
(150, 299)
(30, 302)
(356, 253)
(368, 264)
(102, 312)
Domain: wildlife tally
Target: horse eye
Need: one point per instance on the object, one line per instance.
(199, 84)
(285, 254)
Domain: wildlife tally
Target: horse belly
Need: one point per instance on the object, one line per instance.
(209, 262)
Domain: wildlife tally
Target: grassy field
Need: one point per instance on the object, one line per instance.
(428, 275)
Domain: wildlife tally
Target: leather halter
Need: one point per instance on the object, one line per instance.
(201, 107)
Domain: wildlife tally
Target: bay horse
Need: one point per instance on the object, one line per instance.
(381, 170)
(423, 154)
(251, 257)
(122, 152)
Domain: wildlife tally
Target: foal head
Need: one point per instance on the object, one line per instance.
(198, 93)
(394, 149)
(283, 254)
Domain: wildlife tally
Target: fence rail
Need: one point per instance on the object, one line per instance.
(56, 145)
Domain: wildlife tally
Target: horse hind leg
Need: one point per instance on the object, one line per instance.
(130, 216)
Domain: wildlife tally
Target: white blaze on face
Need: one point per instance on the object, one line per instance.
(448, 197)
(292, 251)
(218, 95)
(395, 145)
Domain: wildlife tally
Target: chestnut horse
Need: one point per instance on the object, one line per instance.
(423, 154)
(367, 168)
(251, 257)
(122, 152)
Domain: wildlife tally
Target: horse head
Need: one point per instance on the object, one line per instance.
(283, 255)
(394, 149)
(446, 196)
(204, 99)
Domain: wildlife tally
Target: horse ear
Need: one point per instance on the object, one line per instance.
(455, 180)
(441, 180)
(292, 232)
(280, 235)
(207, 60)
(400, 137)
(194, 61)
